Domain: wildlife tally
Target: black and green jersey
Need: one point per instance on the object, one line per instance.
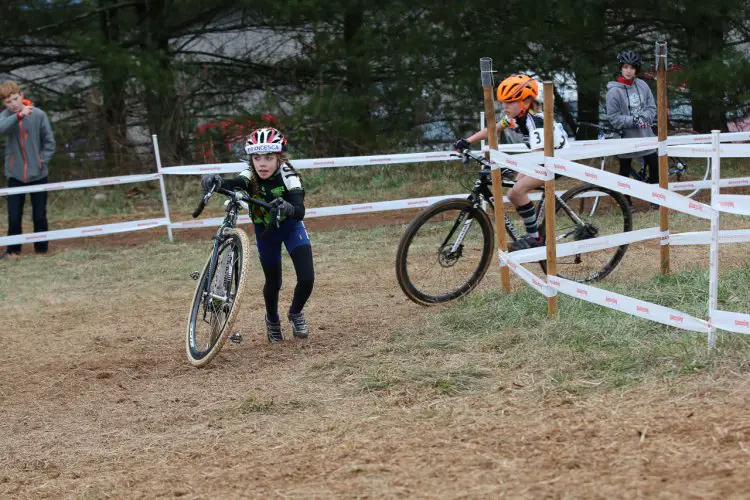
(284, 183)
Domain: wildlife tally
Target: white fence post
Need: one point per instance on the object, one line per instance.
(713, 256)
(163, 189)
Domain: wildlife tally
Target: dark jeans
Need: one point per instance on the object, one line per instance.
(652, 162)
(38, 213)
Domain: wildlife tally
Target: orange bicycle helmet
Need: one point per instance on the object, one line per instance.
(516, 88)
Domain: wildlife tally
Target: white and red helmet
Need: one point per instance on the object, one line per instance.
(265, 141)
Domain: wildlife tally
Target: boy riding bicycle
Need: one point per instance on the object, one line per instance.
(270, 176)
(519, 94)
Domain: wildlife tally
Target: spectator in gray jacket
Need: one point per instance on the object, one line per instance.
(29, 145)
(631, 110)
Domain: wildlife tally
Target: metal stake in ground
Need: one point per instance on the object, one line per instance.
(549, 191)
(485, 67)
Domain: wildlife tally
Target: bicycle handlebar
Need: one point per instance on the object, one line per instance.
(235, 195)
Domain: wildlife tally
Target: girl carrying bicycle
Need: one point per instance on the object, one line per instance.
(519, 94)
(270, 176)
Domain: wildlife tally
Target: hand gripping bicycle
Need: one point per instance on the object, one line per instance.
(446, 249)
(220, 289)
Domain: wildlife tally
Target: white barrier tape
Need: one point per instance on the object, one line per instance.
(707, 138)
(662, 148)
(586, 246)
(209, 168)
(691, 185)
(56, 186)
(120, 227)
(358, 208)
(664, 238)
(608, 148)
(519, 163)
(730, 321)
(704, 237)
(725, 151)
(735, 151)
(648, 192)
(635, 307)
(732, 203)
(532, 279)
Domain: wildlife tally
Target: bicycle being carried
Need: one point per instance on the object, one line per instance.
(446, 250)
(221, 284)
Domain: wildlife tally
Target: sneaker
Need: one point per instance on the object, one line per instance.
(273, 330)
(299, 325)
(525, 243)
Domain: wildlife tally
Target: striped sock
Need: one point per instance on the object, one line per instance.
(528, 214)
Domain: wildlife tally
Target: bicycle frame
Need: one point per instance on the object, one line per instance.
(483, 191)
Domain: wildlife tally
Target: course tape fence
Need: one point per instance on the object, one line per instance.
(736, 204)
(531, 163)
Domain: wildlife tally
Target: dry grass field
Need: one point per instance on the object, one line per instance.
(480, 399)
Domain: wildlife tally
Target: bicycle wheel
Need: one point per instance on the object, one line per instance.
(598, 163)
(613, 216)
(688, 171)
(444, 252)
(217, 299)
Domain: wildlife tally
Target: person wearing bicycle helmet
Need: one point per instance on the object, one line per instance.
(519, 94)
(271, 177)
(631, 109)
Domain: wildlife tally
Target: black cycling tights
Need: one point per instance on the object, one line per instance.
(303, 266)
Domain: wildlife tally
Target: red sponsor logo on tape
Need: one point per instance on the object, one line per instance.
(592, 175)
(659, 196)
(365, 207)
(420, 202)
(330, 162)
(623, 185)
(434, 156)
(553, 281)
(32, 238)
(676, 318)
(92, 230)
(581, 291)
(695, 206)
(311, 212)
(738, 183)
(208, 169)
(109, 181)
(143, 224)
(726, 204)
(560, 167)
(642, 309)
(700, 150)
(742, 322)
(536, 282)
(540, 171)
(373, 160)
(610, 300)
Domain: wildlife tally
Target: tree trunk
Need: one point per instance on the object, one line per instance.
(112, 91)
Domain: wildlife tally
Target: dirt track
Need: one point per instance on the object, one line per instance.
(98, 400)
